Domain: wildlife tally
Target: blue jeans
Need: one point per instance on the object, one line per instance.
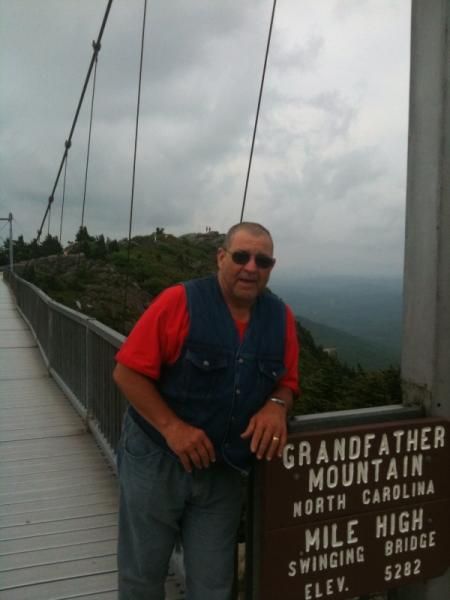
(159, 503)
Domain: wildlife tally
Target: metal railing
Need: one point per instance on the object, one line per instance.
(79, 354)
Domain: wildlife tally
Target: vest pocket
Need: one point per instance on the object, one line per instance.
(204, 373)
(269, 374)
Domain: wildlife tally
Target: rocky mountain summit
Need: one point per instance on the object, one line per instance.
(93, 287)
(115, 282)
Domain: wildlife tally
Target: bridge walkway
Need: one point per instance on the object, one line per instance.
(58, 494)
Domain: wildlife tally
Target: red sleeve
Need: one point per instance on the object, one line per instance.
(159, 335)
(291, 351)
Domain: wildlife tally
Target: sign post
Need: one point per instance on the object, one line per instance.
(353, 510)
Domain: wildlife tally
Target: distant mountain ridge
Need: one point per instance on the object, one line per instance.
(368, 309)
(351, 349)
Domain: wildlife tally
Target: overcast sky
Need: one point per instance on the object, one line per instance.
(329, 169)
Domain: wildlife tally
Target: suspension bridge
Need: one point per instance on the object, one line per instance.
(60, 413)
(58, 499)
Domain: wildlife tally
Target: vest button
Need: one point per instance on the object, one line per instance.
(274, 373)
(238, 391)
(206, 363)
(240, 361)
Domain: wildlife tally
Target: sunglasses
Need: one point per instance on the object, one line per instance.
(242, 257)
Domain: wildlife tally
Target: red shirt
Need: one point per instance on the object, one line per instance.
(159, 335)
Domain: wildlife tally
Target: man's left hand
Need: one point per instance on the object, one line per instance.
(268, 431)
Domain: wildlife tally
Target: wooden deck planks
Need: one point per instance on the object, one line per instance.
(58, 495)
(48, 556)
(61, 570)
(44, 515)
(52, 463)
(56, 540)
(21, 363)
(73, 587)
(80, 499)
(16, 338)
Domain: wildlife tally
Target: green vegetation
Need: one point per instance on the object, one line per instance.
(153, 262)
(114, 281)
(328, 384)
(351, 349)
(23, 251)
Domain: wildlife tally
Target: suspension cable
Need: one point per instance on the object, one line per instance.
(133, 179)
(64, 192)
(257, 109)
(137, 125)
(96, 50)
(80, 102)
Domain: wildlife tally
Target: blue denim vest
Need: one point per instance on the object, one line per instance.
(219, 382)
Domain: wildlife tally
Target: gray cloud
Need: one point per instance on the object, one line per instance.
(329, 165)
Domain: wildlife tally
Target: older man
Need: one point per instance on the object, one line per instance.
(210, 371)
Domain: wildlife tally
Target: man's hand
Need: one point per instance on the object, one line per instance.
(190, 444)
(268, 431)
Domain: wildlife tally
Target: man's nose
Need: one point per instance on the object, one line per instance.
(251, 265)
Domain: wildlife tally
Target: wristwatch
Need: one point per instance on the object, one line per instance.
(278, 401)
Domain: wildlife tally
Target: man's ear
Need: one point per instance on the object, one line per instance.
(220, 256)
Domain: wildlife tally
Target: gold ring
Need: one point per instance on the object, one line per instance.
(275, 439)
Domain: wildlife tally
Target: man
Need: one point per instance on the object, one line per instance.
(210, 371)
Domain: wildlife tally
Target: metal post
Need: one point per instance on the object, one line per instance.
(11, 259)
(426, 333)
(89, 365)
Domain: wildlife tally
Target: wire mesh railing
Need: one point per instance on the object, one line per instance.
(79, 353)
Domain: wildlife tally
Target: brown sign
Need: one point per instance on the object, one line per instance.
(355, 510)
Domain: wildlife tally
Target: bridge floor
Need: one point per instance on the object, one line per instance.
(58, 495)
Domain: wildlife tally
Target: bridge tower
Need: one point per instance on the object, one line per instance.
(426, 332)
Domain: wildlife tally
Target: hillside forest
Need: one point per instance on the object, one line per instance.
(114, 281)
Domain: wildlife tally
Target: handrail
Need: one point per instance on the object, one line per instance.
(79, 354)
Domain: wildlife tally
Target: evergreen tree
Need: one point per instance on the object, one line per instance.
(50, 246)
(21, 249)
(83, 235)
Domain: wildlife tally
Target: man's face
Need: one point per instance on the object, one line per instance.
(241, 284)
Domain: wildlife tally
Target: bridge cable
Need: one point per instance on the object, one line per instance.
(257, 110)
(80, 102)
(96, 50)
(133, 179)
(63, 193)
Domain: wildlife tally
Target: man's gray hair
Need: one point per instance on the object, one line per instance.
(250, 227)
